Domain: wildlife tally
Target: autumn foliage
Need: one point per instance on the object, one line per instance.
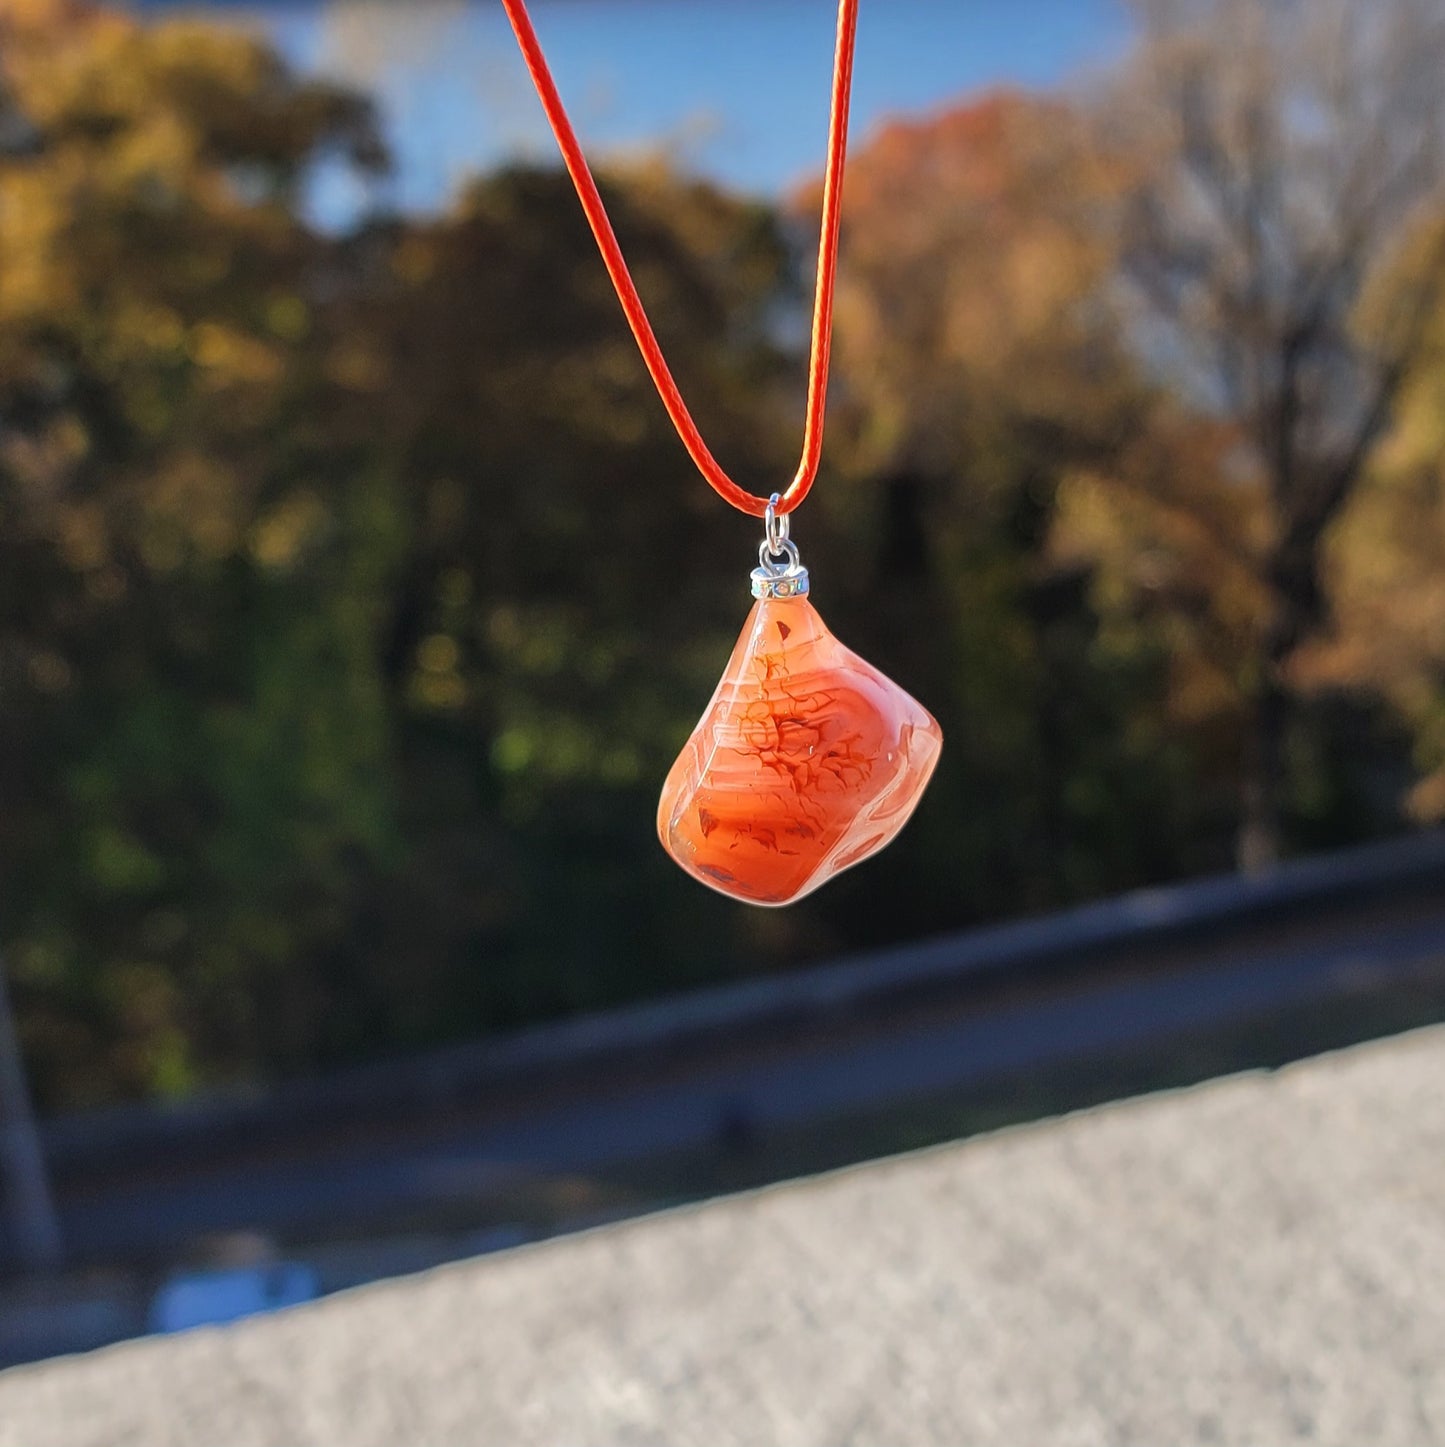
(357, 595)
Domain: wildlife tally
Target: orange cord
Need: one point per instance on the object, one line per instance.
(632, 306)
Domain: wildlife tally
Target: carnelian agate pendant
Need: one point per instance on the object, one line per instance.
(807, 760)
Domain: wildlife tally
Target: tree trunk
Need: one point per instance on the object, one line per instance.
(1260, 840)
(1297, 611)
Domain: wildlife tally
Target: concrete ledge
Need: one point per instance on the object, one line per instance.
(1256, 1260)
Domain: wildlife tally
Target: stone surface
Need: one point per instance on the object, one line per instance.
(807, 760)
(1259, 1260)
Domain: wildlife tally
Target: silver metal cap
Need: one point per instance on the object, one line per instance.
(788, 581)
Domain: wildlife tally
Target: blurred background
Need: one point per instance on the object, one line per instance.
(357, 594)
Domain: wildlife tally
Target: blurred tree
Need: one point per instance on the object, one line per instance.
(1280, 241)
(979, 371)
(1385, 572)
(562, 615)
(349, 618)
(190, 728)
(969, 296)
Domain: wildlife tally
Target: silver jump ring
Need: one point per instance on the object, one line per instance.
(776, 527)
(768, 556)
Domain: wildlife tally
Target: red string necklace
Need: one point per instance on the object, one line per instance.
(632, 306)
(808, 759)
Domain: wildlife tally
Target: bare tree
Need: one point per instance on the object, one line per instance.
(1284, 247)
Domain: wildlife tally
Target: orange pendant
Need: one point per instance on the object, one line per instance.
(807, 760)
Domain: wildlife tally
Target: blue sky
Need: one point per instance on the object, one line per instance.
(735, 89)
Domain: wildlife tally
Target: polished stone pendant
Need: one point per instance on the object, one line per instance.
(807, 760)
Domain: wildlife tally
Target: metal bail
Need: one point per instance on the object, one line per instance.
(779, 573)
